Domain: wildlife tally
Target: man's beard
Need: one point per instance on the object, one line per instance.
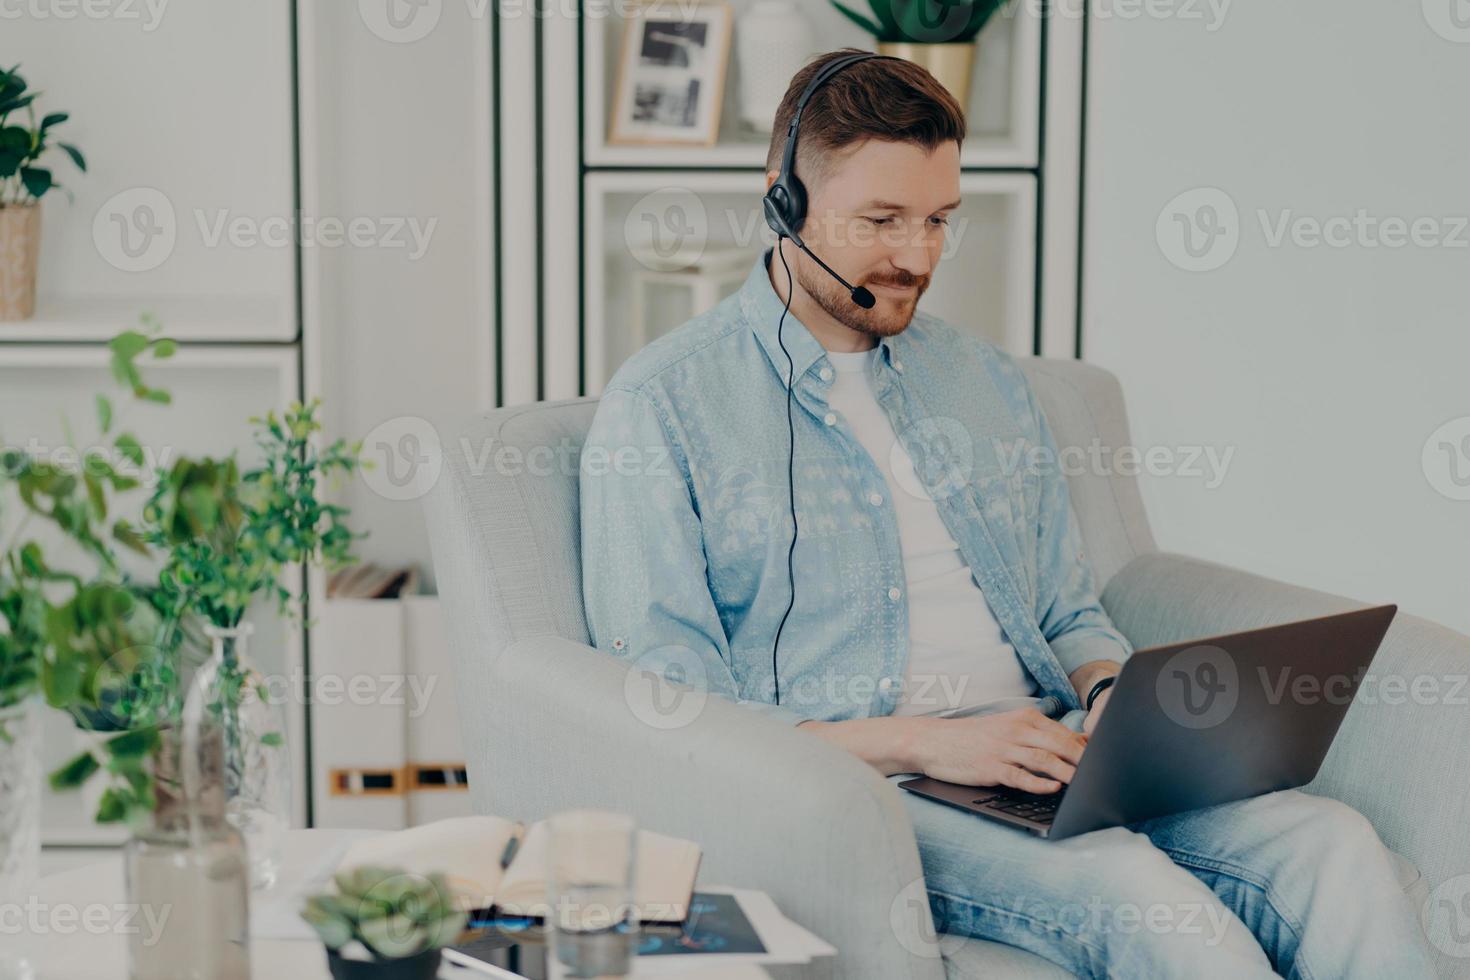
(877, 322)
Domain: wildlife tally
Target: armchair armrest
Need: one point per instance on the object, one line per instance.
(1400, 757)
(558, 724)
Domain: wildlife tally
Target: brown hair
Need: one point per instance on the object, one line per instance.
(883, 99)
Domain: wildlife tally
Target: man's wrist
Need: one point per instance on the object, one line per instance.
(1096, 690)
(1084, 678)
(912, 743)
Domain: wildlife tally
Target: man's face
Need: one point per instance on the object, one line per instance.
(879, 219)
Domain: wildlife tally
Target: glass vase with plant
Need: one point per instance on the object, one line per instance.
(230, 534)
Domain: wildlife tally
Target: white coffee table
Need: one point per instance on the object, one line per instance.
(82, 917)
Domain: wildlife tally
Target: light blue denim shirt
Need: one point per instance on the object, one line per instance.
(686, 523)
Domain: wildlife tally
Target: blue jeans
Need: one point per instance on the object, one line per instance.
(1288, 882)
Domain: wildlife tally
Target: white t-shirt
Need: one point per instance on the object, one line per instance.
(959, 657)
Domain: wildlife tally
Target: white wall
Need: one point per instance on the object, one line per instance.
(1325, 369)
(396, 128)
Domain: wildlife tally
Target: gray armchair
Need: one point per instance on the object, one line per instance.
(548, 725)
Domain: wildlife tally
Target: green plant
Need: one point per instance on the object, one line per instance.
(924, 21)
(228, 533)
(21, 147)
(394, 913)
(108, 648)
(86, 632)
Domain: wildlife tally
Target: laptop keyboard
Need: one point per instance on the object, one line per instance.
(1041, 809)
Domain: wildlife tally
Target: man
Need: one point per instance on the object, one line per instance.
(945, 619)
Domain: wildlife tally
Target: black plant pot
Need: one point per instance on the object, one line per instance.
(423, 966)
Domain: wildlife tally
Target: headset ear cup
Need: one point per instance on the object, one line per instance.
(796, 204)
(773, 203)
(785, 206)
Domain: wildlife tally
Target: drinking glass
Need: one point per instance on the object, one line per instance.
(592, 917)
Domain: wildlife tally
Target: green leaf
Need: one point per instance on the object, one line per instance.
(76, 156)
(19, 103)
(129, 343)
(127, 535)
(113, 807)
(861, 21)
(104, 414)
(131, 450)
(394, 936)
(272, 739)
(74, 773)
(156, 395)
(164, 347)
(134, 744)
(37, 180)
(95, 496)
(331, 924)
(53, 119)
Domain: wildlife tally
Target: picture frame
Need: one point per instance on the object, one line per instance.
(672, 68)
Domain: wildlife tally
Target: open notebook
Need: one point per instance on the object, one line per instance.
(468, 852)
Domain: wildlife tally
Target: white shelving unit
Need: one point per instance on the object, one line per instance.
(1011, 247)
(1003, 104)
(44, 390)
(186, 212)
(992, 234)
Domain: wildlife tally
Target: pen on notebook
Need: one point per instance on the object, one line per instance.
(511, 846)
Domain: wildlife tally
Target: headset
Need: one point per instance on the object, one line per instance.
(785, 207)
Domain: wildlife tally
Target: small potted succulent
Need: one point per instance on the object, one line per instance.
(23, 182)
(937, 34)
(385, 923)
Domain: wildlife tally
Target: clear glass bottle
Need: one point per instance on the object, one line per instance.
(187, 869)
(257, 771)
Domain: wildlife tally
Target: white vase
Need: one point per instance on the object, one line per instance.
(773, 41)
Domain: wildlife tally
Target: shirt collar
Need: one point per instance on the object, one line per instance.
(762, 309)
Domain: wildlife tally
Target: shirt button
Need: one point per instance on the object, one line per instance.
(885, 685)
(830, 419)
(898, 366)
(894, 594)
(876, 499)
(825, 374)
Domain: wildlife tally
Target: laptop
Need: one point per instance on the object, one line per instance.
(1199, 723)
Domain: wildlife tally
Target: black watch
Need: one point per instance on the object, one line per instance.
(1100, 687)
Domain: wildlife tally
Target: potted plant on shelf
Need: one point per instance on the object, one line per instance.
(385, 924)
(23, 182)
(937, 34)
